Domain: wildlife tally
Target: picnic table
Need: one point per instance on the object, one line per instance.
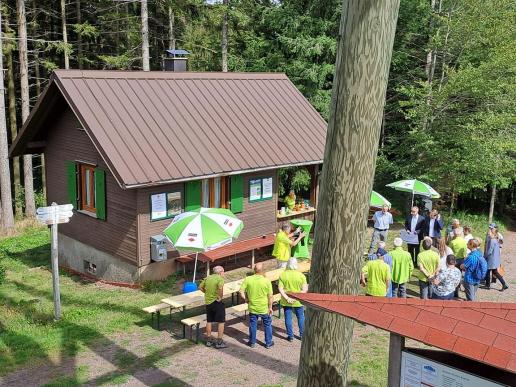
(230, 288)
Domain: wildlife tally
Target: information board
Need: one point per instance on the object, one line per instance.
(417, 371)
(255, 190)
(158, 206)
(267, 188)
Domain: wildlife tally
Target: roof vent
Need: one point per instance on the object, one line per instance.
(175, 60)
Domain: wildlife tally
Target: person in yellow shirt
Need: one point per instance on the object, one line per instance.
(378, 277)
(428, 263)
(283, 244)
(213, 289)
(292, 280)
(290, 200)
(257, 291)
(459, 245)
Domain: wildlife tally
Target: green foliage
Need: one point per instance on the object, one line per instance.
(86, 30)
(117, 62)
(293, 178)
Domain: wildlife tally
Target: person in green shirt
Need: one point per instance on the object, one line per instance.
(283, 244)
(428, 263)
(402, 268)
(256, 290)
(459, 245)
(213, 289)
(378, 277)
(292, 280)
(290, 200)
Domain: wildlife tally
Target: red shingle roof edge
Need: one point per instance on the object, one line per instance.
(482, 331)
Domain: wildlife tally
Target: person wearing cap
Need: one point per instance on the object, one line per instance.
(292, 280)
(402, 267)
(378, 276)
(500, 236)
(427, 263)
(213, 289)
(382, 221)
(283, 244)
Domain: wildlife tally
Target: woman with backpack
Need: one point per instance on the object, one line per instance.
(493, 257)
(475, 269)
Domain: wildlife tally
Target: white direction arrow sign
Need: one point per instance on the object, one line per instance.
(54, 209)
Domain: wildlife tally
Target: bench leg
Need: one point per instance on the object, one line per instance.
(152, 319)
(197, 333)
(158, 314)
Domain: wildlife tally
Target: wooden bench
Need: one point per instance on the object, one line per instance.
(236, 310)
(156, 310)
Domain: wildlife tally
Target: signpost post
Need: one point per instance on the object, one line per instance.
(53, 215)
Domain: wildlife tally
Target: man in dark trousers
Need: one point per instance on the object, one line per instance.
(433, 226)
(414, 224)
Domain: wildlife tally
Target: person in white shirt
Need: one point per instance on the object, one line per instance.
(414, 225)
(382, 221)
(433, 226)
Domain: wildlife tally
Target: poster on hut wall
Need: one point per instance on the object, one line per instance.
(255, 189)
(158, 206)
(267, 188)
(417, 371)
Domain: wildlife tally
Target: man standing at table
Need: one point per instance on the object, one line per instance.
(292, 280)
(382, 221)
(414, 224)
(283, 244)
(256, 290)
(213, 289)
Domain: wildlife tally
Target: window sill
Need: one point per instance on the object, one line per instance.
(91, 214)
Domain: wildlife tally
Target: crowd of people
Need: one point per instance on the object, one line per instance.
(439, 263)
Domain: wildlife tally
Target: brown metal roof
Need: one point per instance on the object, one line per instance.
(158, 127)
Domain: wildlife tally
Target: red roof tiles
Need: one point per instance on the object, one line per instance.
(482, 331)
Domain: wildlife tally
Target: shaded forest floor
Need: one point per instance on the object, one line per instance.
(104, 338)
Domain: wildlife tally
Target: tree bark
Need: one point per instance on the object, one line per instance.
(364, 52)
(224, 43)
(65, 35)
(5, 173)
(452, 204)
(492, 203)
(79, 37)
(171, 32)
(30, 205)
(11, 92)
(145, 37)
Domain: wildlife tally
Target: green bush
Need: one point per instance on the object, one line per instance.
(2, 273)
(294, 178)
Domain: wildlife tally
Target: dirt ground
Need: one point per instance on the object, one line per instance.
(157, 358)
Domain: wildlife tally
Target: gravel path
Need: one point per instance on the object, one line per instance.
(157, 358)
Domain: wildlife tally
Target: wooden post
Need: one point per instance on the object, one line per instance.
(55, 267)
(396, 346)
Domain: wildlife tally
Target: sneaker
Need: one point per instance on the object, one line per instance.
(209, 343)
(220, 344)
(251, 345)
(290, 338)
(504, 287)
(270, 345)
(300, 337)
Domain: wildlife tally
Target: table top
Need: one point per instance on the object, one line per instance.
(229, 288)
(301, 222)
(296, 213)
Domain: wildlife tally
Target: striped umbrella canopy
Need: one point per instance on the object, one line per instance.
(378, 200)
(203, 229)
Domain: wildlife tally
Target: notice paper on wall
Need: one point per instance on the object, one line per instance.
(417, 371)
(267, 188)
(158, 206)
(255, 189)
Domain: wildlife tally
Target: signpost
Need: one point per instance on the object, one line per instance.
(52, 216)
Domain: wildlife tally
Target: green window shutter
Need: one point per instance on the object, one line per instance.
(192, 195)
(100, 193)
(237, 194)
(71, 179)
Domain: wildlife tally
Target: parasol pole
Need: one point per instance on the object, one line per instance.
(195, 266)
(412, 205)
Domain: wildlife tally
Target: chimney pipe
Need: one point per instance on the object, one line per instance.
(175, 60)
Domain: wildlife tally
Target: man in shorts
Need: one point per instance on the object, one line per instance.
(213, 289)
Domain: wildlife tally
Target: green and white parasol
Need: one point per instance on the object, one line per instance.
(416, 187)
(203, 229)
(378, 200)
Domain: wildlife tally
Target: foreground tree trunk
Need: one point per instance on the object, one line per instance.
(30, 205)
(5, 173)
(492, 203)
(145, 37)
(363, 58)
(171, 32)
(79, 36)
(224, 43)
(65, 35)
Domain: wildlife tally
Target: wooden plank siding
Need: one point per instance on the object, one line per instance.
(148, 228)
(117, 235)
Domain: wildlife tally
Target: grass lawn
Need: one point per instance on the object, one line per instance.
(91, 312)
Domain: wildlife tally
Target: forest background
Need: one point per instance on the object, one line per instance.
(449, 117)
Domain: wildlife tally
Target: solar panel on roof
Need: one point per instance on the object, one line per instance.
(177, 52)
